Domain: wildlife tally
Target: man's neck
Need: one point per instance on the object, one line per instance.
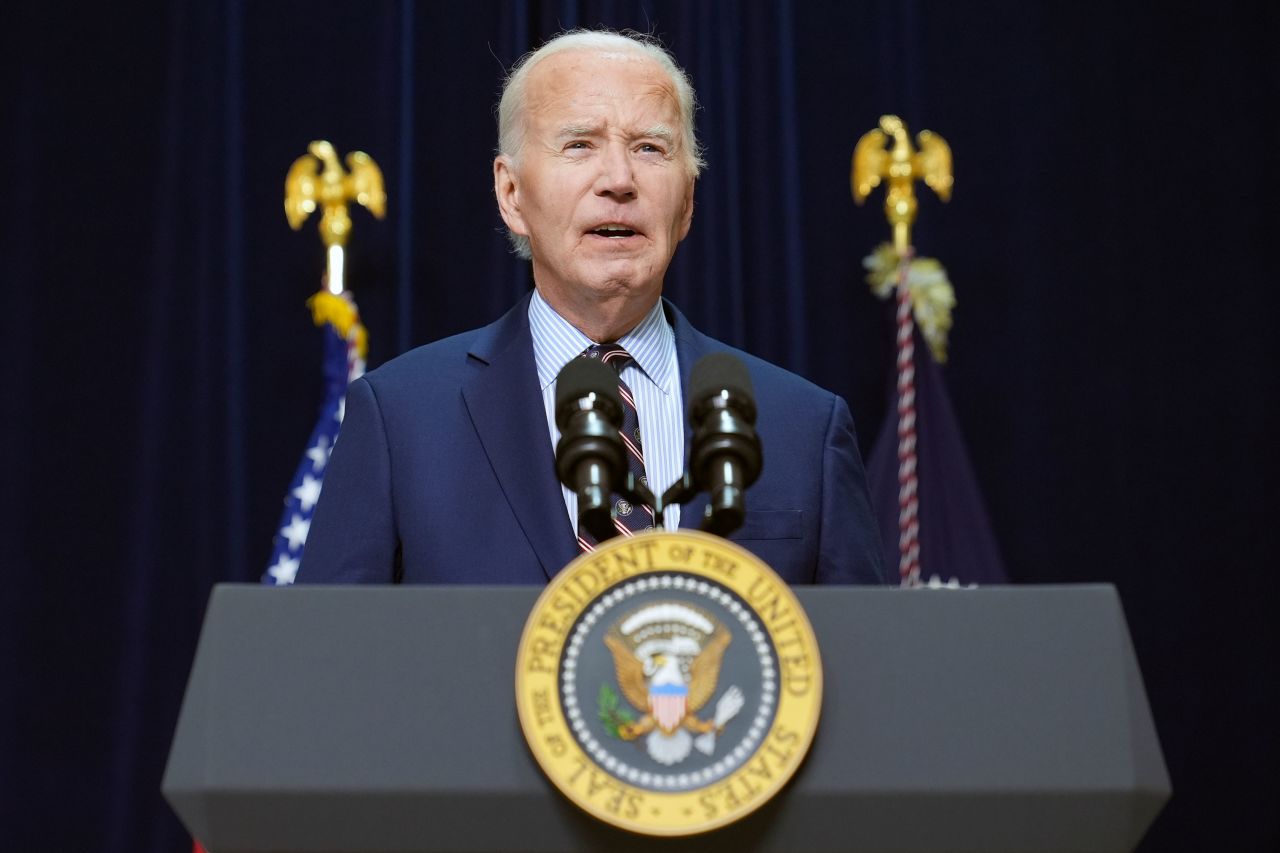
(604, 321)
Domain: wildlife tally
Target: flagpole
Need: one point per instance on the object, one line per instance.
(334, 270)
(317, 181)
(908, 470)
(899, 271)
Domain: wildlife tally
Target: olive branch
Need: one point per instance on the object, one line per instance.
(613, 714)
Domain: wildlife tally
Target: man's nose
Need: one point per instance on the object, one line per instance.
(616, 177)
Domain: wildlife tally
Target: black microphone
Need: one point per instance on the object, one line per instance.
(726, 454)
(590, 457)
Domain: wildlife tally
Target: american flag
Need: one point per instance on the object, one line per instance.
(344, 353)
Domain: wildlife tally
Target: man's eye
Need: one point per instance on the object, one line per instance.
(650, 148)
(576, 145)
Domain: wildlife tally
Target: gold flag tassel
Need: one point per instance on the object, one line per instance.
(339, 311)
(932, 296)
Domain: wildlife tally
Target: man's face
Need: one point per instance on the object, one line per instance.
(600, 186)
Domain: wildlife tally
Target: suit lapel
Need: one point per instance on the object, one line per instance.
(691, 345)
(505, 404)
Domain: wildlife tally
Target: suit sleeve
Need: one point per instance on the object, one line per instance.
(849, 540)
(353, 536)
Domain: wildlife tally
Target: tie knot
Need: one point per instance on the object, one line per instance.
(614, 355)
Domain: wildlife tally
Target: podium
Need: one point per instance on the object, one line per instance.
(383, 719)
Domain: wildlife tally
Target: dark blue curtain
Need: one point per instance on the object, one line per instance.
(1110, 240)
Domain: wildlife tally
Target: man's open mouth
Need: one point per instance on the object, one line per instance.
(613, 231)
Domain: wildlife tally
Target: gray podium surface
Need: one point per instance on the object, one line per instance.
(383, 719)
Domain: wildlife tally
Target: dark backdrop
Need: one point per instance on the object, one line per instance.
(1110, 239)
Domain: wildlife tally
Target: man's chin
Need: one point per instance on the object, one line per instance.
(621, 277)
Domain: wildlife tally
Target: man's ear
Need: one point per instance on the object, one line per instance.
(507, 191)
(687, 214)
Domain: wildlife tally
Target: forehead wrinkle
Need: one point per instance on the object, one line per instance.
(552, 88)
(550, 82)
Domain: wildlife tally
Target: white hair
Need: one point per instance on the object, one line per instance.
(511, 124)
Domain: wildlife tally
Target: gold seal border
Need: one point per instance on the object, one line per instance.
(596, 790)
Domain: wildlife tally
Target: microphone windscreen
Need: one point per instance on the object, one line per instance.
(584, 376)
(720, 371)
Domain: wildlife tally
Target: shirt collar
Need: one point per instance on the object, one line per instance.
(651, 343)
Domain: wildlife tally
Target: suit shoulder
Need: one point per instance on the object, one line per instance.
(779, 377)
(439, 363)
(447, 363)
(790, 408)
(772, 380)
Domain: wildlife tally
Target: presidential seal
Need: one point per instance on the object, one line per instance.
(668, 683)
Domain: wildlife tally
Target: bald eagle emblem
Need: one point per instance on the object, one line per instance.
(667, 658)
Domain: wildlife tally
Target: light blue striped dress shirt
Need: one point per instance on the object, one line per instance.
(654, 380)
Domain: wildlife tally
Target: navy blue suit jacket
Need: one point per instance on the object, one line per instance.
(443, 472)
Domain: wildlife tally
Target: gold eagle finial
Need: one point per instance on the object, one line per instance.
(901, 165)
(317, 179)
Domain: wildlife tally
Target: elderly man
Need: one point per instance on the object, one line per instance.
(445, 472)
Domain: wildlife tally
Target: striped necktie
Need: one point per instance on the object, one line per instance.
(629, 519)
